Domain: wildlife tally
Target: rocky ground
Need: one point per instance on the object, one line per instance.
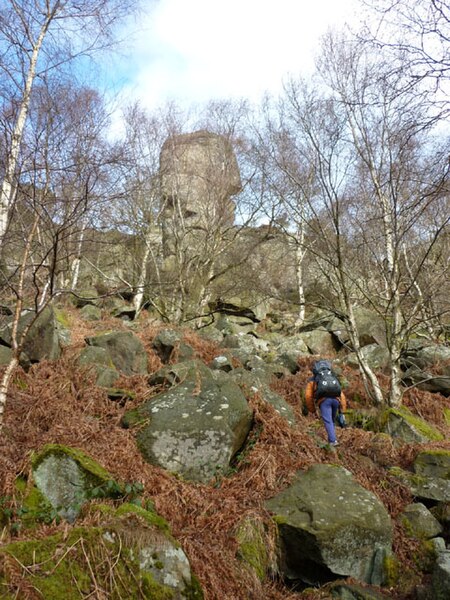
(59, 402)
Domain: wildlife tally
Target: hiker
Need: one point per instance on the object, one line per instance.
(323, 390)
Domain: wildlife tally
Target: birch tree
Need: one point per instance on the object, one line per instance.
(38, 37)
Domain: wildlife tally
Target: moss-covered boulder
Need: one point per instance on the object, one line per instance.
(126, 351)
(401, 423)
(433, 463)
(329, 526)
(66, 477)
(419, 523)
(423, 487)
(196, 427)
(130, 554)
(431, 477)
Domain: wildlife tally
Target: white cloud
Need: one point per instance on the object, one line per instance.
(195, 50)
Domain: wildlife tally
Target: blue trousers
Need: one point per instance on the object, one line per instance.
(328, 410)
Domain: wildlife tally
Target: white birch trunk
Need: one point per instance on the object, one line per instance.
(75, 267)
(139, 296)
(4, 385)
(299, 257)
(7, 189)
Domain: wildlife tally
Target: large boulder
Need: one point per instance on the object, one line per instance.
(401, 423)
(330, 526)
(419, 522)
(377, 357)
(42, 340)
(126, 351)
(196, 427)
(369, 325)
(431, 477)
(291, 345)
(320, 341)
(428, 367)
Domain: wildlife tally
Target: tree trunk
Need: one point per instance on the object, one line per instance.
(7, 189)
(4, 385)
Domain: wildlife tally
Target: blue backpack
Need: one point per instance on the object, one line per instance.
(327, 383)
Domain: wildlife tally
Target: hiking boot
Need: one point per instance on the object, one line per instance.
(336, 443)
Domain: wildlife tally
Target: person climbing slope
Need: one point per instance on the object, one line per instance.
(323, 391)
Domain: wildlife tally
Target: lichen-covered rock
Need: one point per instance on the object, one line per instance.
(126, 351)
(431, 477)
(428, 367)
(196, 427)
(291, 345)
(377, 357)
(329, 525)
(419, 522)
(221, 363)
(403, 424)
(66, 476)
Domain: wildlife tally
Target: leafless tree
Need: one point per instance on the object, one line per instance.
(36, 39)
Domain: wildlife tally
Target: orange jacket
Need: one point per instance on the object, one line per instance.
(310, 401)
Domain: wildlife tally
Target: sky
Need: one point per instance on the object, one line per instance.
(192, 51)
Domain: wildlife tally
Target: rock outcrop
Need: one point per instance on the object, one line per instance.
(329, 526)
(195, 427)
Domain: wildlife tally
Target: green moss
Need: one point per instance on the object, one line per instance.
(421, 426)
(120, 394)
(447, 415)
(62, 317)
(407, 476)
(391, 570)
(194, 591)
(133, 418)
(154, 590)
(150, 517)
(435, 452)
(252, 547)
(86, 462)
(69, 569)
(425, 558)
